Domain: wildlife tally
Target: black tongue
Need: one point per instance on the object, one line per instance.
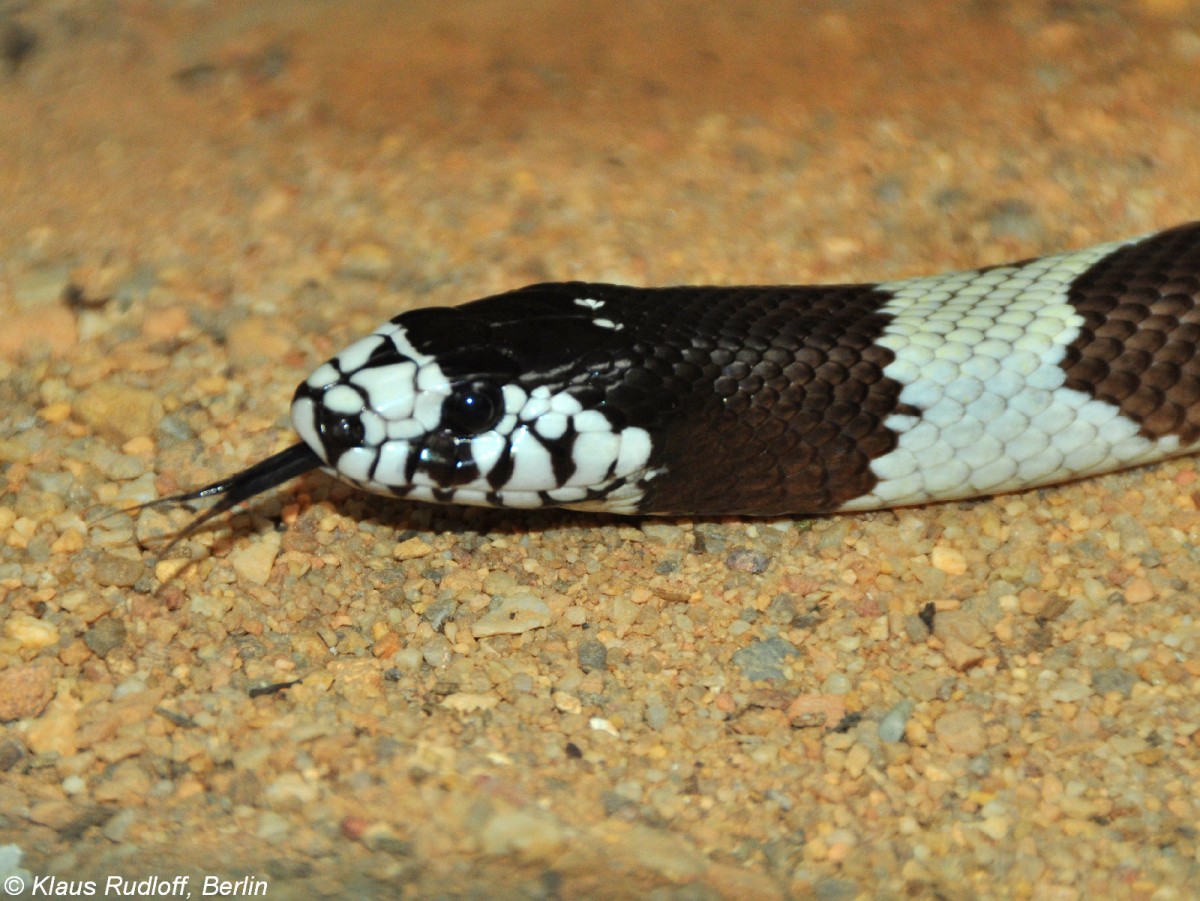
(262, 476)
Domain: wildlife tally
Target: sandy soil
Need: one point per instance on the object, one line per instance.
(199, 201)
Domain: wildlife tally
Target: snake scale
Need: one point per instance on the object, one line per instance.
(765, 400)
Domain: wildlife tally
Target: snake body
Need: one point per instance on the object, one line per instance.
(767, 400)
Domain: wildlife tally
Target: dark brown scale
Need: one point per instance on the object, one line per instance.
(1118, 328)
(1103, 348)
(1090, 370)
(1138, 345)
(1117, 387)
(1164, 419)
(1175, 353)
(1161, 322)
(1187, 390)
(1163, 376)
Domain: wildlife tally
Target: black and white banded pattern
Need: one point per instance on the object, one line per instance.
(768, 400)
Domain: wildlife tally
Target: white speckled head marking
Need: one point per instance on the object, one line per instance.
(391, 415)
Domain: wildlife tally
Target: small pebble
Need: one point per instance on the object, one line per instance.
(56, 412)
(748, 562)
(105, 636)
(656, 714)
(56, 729)
(165, 323)
(516, 614)
(10, 863)
(116, 571)
(592, 655)
(470, 702)
(623, 611)
(565, 702)
(12, 752)
(893, 723)
(666, 532)
(960, 625)
(961, 656)
(856, 761)
(671, 856)
(837, 684)
(782, 609)
(1114, 679)
(255, 561)
(1139, 590)
(437, 651)
(166, 570)
(499, 582)
(407, 660)
(948, 560)
(763, 660)
(412, 549)
(439, 613)
(1070, 692)
(816, 710)
(210, 605)
(381, 837)
(25, 690)
(995, 827)
(962, 731)
(30, 632)
(272, 827)
(53, 482)
(14, 450)
(125, 467)
(118, 826)
(600, 724)
(530, 835)
(172, 428)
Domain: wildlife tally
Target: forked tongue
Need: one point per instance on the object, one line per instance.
(262, 476)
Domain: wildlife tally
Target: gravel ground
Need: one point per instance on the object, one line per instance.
(330, 695)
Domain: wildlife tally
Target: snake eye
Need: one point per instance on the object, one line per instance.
(473, 408)
(339, 432)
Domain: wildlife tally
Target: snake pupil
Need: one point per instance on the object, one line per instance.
(473, 408)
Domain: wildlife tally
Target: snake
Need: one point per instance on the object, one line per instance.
(768, 400)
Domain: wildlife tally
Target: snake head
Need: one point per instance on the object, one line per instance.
(500, 402)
